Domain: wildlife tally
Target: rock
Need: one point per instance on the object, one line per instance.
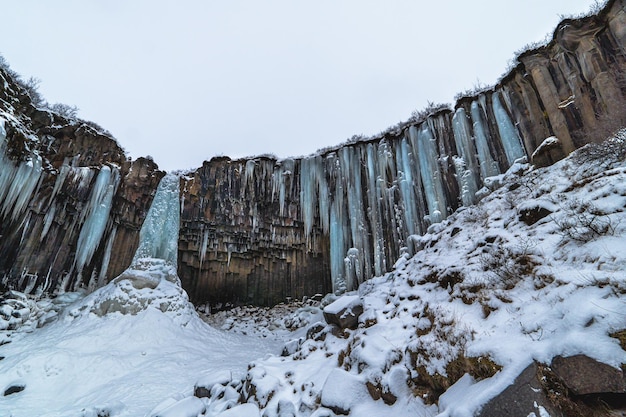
(342, 391)
(187, 407)
(583, 375)
(260, 386)
(315, 332)
(344, 312)
(242, 410)
(549, 152)
(520, 399)
(532, 214)
(286, 409)
(291, 347)
(205, 384)
(14, 389)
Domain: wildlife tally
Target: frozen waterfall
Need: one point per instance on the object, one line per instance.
(158, 237)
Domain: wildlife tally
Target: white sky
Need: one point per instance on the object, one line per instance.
(188, 80)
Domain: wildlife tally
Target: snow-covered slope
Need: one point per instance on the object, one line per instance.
(535, 270)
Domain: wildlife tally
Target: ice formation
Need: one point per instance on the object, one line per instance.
(151, 281)
(96, 215)
(370, 197)
(508, 133)
(158, 237)
(18, 181)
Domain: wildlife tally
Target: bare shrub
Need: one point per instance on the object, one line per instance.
(65, 110)
(582, 221)
(508, 264)
(431, 108)
(603, 154)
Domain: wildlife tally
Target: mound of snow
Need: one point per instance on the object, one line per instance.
(121, 351)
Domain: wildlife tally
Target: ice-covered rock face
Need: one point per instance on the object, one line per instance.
(151, 282)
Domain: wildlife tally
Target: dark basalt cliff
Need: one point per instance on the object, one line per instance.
(49, 168)
(261, 230)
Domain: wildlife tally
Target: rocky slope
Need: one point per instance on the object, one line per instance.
(261, 230)
(512, 307)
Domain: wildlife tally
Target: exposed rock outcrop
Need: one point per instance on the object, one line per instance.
(72, 204)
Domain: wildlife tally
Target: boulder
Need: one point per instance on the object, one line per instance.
(342, 391)
(532, 214)
(187, 407)
(523, 397)
(14, 389)
(344, 312)
(242, 410)
(548, 152)
(207, 382)
(583, 375)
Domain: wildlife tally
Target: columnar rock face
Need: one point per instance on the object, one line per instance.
(261, 230)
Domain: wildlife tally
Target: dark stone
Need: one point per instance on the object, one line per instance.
(315, 332)
(583, 375)
(201, 392)
(291, 347)
(521, 398)
(531, 215)
(13, 389)
(347, 317)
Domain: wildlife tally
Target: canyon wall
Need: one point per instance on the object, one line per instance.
(261, 230)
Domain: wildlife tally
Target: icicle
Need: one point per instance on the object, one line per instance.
(230, 251)
(96, 215)
(47, 222)
(488, 167)
(158, 237)
(203, 246)
(107, 258)
(337, 235)
(353, 271)
(308, 193)
(323, 193)
(17, 181)
(430, 174)
(248, 178)
(466, 165)
(508, 133)
(375, 199)
(407, 188)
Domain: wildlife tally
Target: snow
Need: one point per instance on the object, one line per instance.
(343, 303)
(481, 284)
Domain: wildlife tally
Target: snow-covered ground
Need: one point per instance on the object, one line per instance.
(536, 269)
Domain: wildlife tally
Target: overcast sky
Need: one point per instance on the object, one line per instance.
(188, 80)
